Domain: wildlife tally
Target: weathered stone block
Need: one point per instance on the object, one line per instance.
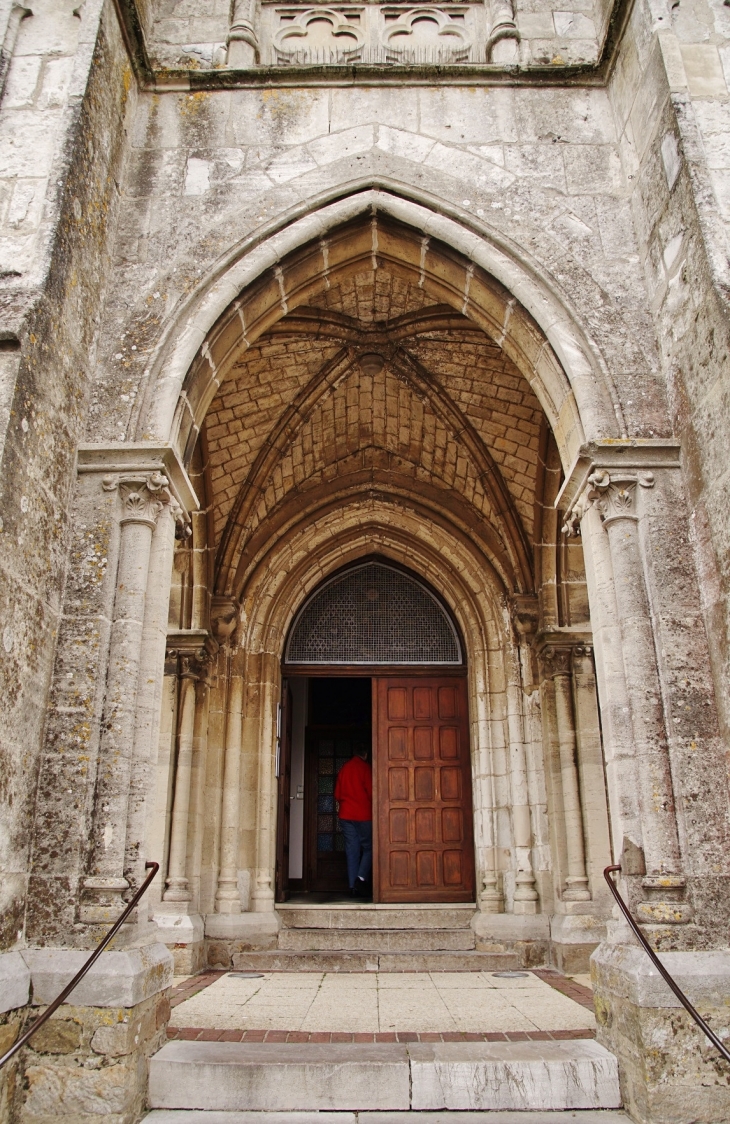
(14, 981)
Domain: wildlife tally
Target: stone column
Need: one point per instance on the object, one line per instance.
(228, 899)
(178, 889)
(526, 896)
(262, 896)
(558, 666)
(143, 496)
(615, 494)
(504, 36)
(243, 44)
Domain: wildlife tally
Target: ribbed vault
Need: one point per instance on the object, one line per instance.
(302, 418)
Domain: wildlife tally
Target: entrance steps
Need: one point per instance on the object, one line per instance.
(368, 938)
(287, 960)
(394, 1079)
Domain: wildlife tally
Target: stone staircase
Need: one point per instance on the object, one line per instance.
(208, 1078)
(367, 938)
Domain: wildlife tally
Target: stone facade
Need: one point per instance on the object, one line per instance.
(209, 219)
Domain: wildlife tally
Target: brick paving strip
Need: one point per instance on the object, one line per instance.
(201, 1034)
(578, 992)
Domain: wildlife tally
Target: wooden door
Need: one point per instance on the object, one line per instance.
(425, 845)
(283, 794)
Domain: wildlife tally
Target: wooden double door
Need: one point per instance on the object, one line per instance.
(423, 845)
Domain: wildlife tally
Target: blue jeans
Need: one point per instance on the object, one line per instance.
(358, 848)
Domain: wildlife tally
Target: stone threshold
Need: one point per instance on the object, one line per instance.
(206, 1034)
(336, 906)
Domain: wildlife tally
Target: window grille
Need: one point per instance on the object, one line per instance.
(373, 614)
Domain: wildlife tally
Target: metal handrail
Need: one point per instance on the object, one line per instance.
(660, 967)
(153, 868)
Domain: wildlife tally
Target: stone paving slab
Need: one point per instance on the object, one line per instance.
(375, 1003)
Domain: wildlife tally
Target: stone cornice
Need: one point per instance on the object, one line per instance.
(163, 80)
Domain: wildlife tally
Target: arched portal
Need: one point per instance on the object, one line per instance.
(373, 663)
(376, 393)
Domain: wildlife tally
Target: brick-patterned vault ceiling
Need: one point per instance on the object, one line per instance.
(448, 418)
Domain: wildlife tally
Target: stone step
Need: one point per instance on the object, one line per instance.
(288, 960)
(377, 940)
(462, 1076)
(201, 1116)
(375, 917)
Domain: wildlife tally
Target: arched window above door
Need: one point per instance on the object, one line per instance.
(373, 614)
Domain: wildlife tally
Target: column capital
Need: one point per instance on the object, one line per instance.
(148, 478)
(556, 659)
(605, 474)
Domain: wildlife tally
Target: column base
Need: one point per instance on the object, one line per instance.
(183, 934)
(669, 1071)
(89, 1061)
(227, 934)
(574, 937)
(527, 936)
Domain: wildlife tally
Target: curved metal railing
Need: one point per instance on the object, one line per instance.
(24, 1038)
(660, 967)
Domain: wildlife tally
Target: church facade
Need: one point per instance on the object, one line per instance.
(363, 380)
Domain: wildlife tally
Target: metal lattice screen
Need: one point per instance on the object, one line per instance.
(373, 614)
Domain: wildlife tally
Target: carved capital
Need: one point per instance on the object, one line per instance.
(143, 496)
(583, 658)
(613, 494)
(556, 659)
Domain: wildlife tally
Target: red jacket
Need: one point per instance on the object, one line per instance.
(354, 790)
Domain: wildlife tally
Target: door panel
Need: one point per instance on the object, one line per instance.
(425, 848)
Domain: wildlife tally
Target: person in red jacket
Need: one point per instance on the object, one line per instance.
(354, 796)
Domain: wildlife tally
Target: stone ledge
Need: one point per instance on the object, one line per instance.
(118, 979)
(627, 971)
(14, 982)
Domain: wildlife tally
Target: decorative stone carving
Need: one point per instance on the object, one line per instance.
(427, 34)
(612, 494)
(504, 34)
(243, 44)
(319, 35)
(143, 497)
(223, 619)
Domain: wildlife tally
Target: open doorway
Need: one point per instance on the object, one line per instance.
(330, 718)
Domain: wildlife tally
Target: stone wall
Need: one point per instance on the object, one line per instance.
(60, 137)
